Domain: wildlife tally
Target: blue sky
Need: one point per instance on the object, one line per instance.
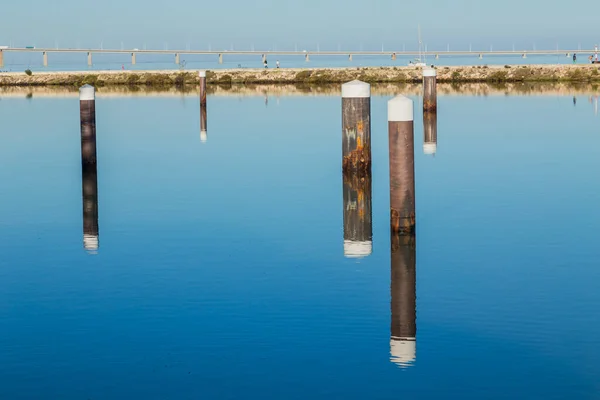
(281, 24)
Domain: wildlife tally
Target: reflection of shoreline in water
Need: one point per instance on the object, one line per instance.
(358, 227)
(443, 89)
(403, 300)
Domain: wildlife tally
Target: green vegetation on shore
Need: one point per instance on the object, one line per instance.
(317, 76)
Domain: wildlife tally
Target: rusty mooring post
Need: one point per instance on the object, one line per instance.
(87, 114)
(429, 89)
(429, 132)
(358, 226)
(202, 76)
(403, 327)
(356, 127)
(402, 165)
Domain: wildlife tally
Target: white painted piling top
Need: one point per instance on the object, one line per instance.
(400, 109)
(429, 148)
(403, 352)
(429, 72)
(87, 92)
(202, 74)
(356, 89)
(203, 136)
(90, 242)
(356, 249)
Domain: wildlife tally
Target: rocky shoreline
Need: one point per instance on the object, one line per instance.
(317, 76)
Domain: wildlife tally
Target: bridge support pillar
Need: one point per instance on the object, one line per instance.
(220, 58)
(1, 59)
(132, 58)
(263, 59)
(437, 56)
(177, 58)
(524, 55)
(394, 56)
(349, 57)
(307, 57)
(89, 58)
(402, 165)
(45, 56)
(480, 56)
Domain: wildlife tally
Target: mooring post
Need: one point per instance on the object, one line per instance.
(358, 226)
(87, 115)
(429, 132)
(45, 57)
(402, 165)
(132, 58)
(356, 127)
(403, 329)
(429, 89)
(1, 59)
(89, 58)
(202, 76)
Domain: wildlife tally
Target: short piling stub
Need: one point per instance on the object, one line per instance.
(402, 165)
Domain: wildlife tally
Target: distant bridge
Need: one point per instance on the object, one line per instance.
(306, 54)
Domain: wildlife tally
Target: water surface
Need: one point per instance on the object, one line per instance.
(220, 271)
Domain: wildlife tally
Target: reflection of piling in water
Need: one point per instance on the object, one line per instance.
(356, 127)
(429, 132)
(87, 112)
(203, 135)
(89, 187)
(403, 304)
(429, 89)
(402, 165)
(358, 227)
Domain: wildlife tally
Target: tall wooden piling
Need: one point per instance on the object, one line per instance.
(429, 132)
(356, 127)
(402, 165)
(403, 329)
(429, 89)
(358, 226)
(89, 189)
(202, 77)
(87, 114)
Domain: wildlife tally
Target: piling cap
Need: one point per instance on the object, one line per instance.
(357, 249)
(429, 148)
(87, 92)
(429, 72)
(403, 351)
(90, 243)
(202, 74)
(356, 89)
(400, 109)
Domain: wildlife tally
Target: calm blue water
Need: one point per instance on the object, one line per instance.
(78, 62)
(221, 274)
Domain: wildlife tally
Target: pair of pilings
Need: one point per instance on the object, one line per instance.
(356, 156)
